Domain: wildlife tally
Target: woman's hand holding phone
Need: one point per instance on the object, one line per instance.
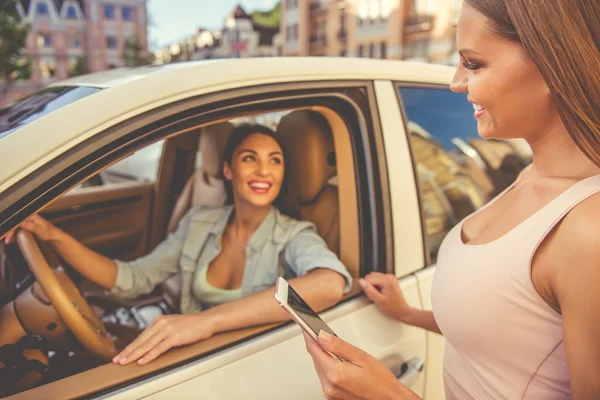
(360, 377)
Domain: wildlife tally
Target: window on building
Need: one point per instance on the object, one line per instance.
(111, 42)
(383, 50)
(372, 50)
(127, 13)
(74, 42)
(44, 40)
(48, 68)
(71, 12)
(109, 11)
(360, 50)
(420, 49)
(343, 53)
(41, 8)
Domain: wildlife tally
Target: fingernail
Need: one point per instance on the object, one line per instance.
(362, 282)
(122, 361)
(116, 359)
(324, 336)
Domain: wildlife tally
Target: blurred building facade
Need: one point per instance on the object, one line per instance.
(421, 30)
(61, 31)
(240, 37)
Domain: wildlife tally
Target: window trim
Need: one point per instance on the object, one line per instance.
(354, 98)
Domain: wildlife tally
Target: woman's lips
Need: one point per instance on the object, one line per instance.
(260, 187)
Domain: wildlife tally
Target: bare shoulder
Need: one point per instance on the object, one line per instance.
(576, 247)
(580, 229)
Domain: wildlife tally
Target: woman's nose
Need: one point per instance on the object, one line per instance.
(459, 82)
(263, 169)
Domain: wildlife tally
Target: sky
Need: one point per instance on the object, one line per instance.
(172, 20)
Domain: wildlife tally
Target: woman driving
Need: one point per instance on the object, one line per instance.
(228, 257)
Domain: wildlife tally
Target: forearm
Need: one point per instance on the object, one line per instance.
(422, 319)
(92, 265)
(320, 289)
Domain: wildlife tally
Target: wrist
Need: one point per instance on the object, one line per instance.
(406, 316)
(210, 321)
(57, 236)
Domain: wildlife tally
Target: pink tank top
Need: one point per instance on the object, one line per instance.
(503, 341)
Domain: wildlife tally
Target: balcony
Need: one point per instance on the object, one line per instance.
(318, 41)
(418, 23)
(343, 36)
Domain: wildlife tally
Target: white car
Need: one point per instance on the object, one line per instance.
(384, 158)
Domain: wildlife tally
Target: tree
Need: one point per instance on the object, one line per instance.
(134, 54)
(80, 67)
(268, 18)
(13, 36)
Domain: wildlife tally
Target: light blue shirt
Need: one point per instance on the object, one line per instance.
(281, 246)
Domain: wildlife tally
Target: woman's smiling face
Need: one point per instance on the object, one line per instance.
(509, 96)
(256, 171)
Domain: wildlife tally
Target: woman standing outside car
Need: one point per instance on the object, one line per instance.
(229, 257)
(517, 287)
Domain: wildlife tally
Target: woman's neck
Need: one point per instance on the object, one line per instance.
(247, 219)
(555, 155)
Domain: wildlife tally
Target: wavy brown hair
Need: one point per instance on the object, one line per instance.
(562, 37)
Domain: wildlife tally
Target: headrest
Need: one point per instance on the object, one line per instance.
(308, 145)
(211, 145)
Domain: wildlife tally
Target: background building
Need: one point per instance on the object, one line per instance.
(63, 31)
(413, 29)
(243, 35)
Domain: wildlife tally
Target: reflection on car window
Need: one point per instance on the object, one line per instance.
(39, 104)
(458, 171)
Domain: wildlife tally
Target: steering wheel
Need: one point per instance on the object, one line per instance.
(66, 299)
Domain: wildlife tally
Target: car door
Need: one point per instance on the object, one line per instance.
(275, 364)
(454, 180)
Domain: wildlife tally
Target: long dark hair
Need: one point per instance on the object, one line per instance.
(236, 137)
(562, 38)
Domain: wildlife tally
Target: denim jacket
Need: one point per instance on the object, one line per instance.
(281, 246)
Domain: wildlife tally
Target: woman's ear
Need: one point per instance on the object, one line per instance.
(227, 172)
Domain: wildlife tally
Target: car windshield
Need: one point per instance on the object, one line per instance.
(41, 103)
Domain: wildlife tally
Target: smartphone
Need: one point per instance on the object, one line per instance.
(301, 312)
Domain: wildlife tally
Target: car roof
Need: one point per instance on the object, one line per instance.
(132, 91)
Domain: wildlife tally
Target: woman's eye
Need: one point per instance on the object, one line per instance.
(248, 158)
(276, 161)
(471, 66)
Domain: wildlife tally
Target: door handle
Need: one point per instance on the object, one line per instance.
(410, 371)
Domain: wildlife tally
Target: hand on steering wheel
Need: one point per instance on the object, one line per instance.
(66, 299)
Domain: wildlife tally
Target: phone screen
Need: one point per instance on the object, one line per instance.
(307, 314)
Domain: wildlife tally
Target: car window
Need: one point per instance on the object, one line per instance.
(457, 170)
(141, 166)
(38, 104)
